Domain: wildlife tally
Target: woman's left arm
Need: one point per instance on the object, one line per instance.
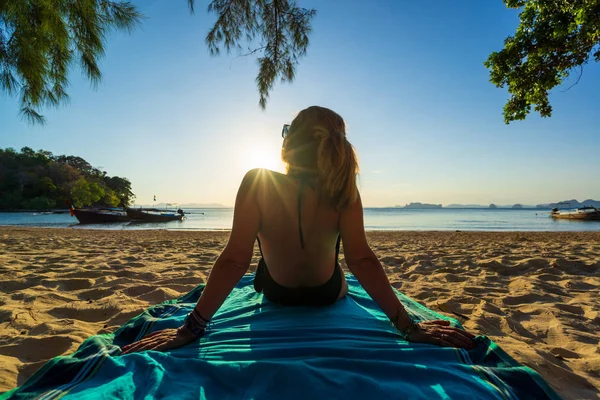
(229, 268)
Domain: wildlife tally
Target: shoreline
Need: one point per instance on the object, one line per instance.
(374, 219)
(532, 292)
(101, 228)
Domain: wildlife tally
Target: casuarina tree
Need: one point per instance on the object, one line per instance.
(40, 39)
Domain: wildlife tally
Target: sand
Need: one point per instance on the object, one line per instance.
(535, 294)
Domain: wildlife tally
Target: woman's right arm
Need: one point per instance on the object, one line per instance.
(367, 269)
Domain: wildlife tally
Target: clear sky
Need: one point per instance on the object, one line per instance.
(408, 78)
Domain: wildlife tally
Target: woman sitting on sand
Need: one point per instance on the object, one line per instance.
(299, 219)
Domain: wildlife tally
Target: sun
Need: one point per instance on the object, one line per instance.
(263, 157)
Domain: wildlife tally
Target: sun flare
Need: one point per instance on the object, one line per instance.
(263, 157)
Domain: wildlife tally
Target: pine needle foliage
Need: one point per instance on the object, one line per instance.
(40, 39)
(278, 29)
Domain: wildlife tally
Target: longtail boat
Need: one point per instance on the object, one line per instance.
(99, 216)
(154, 215)
(583, 213)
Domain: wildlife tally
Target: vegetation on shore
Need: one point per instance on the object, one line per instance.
(42, 181)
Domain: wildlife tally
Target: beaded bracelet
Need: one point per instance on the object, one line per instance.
(195, 323)
(411, 324)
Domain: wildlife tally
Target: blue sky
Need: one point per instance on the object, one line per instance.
(408, 78)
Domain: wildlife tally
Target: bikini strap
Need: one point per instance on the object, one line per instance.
(259, 246)
(300, 191)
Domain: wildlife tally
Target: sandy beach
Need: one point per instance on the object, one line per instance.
(536, 294)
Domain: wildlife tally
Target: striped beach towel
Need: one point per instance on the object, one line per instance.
(259, 350)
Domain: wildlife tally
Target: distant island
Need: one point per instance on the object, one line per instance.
(571, 204)
(465, 206)
(561, 204)
(421, 205)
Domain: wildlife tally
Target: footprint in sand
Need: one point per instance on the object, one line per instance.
(120, 319)
(159, 295)
(454, 278)
(84, 274)
(561, 353)
(135, 291)
(13, 285)
(35, 349)
(392, 260)
(85, 314)
(551, 277)
(95, 294)
(68, 284)
(580, 285)
(509, 325)
(528, 299)
(135, 264)
(570, 308)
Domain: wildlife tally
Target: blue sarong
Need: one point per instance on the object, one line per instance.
(255, 349)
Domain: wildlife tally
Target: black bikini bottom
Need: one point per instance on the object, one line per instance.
(321, 295)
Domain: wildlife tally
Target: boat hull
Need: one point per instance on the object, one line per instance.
(581, 214)
(96, 217)
(142, 216)
(580, 217)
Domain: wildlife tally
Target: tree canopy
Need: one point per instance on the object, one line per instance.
(279, 27)
(40, 39)
(553, 39)
(41, 181)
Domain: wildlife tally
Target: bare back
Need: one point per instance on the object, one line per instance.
(289, 264)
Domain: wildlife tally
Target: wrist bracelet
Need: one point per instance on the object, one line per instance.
(411, 324)
(195, 323)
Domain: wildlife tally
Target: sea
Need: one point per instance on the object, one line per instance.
(445, 219)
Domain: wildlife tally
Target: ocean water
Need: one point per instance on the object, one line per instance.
(375, 219)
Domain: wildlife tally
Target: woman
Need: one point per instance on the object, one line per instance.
(299, 219)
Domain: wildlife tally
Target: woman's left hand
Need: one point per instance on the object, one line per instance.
(166, 339)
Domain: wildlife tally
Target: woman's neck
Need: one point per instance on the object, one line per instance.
(302, 174)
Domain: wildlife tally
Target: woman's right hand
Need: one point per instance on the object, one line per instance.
(439, 332)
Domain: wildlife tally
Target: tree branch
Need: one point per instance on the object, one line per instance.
(580, 75)
(251, 52)
(276, 7)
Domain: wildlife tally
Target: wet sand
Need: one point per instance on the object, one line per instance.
(536, 294)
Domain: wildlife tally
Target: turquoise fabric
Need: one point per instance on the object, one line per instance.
(259, 350)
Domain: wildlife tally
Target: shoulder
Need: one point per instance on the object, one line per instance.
(260, 180)
(355, 208)
(262, 176)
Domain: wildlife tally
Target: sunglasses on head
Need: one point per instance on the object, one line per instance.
(285, 130)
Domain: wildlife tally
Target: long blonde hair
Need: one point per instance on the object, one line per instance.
(316, 149)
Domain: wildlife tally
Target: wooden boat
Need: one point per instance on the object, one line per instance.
(154, 215)
(582, 214)
(99, 216)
